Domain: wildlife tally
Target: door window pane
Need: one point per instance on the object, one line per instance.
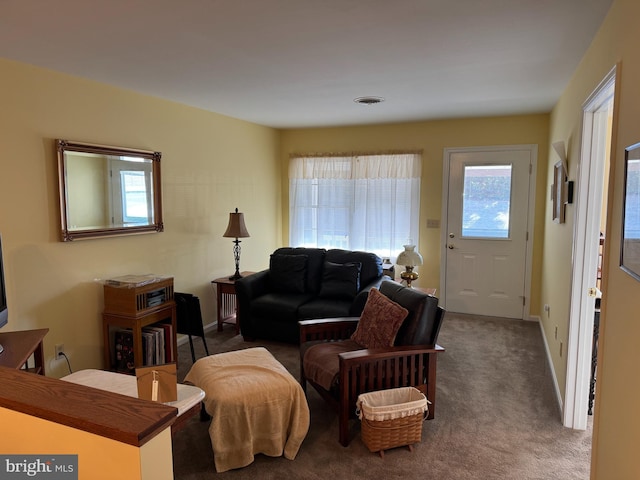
(486, 201)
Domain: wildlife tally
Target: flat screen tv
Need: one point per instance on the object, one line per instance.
(4, 311)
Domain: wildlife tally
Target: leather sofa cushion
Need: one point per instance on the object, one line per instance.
(315, 261)
(371, 263)
(324, 308)
(287, 273)
(340, 280)
(281, 306)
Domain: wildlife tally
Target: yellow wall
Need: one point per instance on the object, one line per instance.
(98, 457)
(211, 164)
(617, 418)
(432, 137)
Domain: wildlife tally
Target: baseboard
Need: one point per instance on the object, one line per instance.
(556, 387)
(182, 339)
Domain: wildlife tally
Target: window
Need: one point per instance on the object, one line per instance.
(134, 197)
(356, 202)
(486, 201)
(132, 194)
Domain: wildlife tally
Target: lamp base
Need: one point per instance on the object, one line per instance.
(235, 276)
(409, 276)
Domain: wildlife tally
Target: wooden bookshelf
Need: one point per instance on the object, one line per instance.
(133, 305)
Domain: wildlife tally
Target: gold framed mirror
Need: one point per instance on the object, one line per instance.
(106, 190)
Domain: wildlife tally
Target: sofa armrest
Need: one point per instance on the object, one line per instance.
(325, 329)
(253, 286)
(361, 298)
(247, 289)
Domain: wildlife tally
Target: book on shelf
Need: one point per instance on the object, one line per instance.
(123, 342)
(159, 335)
(168, 342)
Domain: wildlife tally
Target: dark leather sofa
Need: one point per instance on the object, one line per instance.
(304, 283)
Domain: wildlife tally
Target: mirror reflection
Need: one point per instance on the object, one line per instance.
(108, 190)
(630, 251)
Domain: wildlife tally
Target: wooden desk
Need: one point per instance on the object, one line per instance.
(19, 346)
(226, 300)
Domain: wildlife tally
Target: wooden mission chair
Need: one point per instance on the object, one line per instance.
(340, 369)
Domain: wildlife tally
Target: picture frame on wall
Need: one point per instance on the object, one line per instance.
(630, 245)
(559, 192)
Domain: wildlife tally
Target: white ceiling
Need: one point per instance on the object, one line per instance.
(300, 63)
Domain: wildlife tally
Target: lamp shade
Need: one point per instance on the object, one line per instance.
(236, 227)
(409, 257)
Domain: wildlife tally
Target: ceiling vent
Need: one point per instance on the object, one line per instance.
(368, 100)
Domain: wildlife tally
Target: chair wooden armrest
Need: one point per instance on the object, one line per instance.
(325, 329)
(368, 370)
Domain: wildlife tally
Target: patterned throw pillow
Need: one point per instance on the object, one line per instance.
(380, 321)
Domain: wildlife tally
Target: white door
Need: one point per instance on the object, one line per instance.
(487, 218)
(590, 223)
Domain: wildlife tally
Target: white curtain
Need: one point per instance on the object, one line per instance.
(356, 202)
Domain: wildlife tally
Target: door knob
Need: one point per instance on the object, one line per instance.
(451, 235)
(450, 246)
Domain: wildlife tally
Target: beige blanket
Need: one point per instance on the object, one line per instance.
(256, 406)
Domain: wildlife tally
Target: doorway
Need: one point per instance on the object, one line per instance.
(486, 243)
(589, 228)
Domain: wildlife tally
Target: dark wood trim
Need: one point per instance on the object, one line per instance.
(124, 419)
(20, 345)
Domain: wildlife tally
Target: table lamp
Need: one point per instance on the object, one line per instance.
(236, 229)
(409, 258)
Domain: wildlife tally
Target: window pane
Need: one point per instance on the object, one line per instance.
(486, 201)
(632, 201)
(134, 197)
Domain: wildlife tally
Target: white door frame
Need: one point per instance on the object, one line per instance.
(533, 151)
(585, 259)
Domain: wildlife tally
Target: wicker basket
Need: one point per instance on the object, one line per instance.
(392, 418)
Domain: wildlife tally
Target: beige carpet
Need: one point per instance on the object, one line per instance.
(496, 417)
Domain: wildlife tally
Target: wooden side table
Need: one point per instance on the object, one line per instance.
(19, 346)
(428, 291)
(226, 301)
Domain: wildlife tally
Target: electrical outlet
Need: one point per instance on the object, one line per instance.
(59, 350)
(547, 308)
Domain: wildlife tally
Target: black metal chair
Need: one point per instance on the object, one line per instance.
(189, 319)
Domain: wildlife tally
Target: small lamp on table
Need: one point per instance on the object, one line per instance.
(236, 229)
(409, 258)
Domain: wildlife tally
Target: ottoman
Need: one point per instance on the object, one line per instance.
(256, 406)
